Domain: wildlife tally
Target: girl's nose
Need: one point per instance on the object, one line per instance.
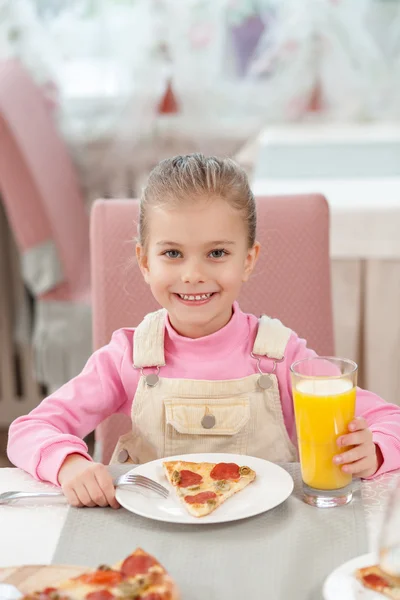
(192, 274)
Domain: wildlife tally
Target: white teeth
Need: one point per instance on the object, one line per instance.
(197, 297)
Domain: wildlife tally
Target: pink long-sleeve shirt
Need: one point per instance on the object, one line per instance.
(40, 441)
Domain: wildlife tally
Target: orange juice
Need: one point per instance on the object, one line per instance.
(323, 410)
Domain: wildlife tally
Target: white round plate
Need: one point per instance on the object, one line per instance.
(271, 487)
(342, 584)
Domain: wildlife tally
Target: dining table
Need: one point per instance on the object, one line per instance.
(33, 531)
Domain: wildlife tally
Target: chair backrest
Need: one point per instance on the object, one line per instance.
(291, 280)
(38, 184)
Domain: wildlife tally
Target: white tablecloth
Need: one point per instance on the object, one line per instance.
(365, 213)
(29, 532)
(351, 166)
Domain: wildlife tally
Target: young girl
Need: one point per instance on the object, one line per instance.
(188, 374)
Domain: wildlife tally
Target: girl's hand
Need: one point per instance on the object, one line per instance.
(365, 457)
(86, 483)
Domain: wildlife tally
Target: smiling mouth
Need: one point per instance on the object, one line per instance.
(195, 297)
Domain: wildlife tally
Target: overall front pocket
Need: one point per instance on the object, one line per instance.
(225, 428)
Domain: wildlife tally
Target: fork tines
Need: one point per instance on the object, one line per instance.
(145, 482)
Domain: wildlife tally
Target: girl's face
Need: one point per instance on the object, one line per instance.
(196, 259)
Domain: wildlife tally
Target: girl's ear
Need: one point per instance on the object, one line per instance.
(143, 262)
(251, 259)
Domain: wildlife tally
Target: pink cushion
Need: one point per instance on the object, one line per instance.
(38, 184)
(291, 281)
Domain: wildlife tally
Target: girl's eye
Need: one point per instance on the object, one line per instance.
(218, 253)
(172, 253)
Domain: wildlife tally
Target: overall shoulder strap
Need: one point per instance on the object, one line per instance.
(148, 341)
(272, 338)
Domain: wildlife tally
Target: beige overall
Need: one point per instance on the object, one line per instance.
(180, 416)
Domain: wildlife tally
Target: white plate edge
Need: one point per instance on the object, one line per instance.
(193, 457)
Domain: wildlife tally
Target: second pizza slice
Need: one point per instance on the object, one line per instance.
(375, 579)
(203, 487)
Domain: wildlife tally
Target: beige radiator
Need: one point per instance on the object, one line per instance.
(19, 392)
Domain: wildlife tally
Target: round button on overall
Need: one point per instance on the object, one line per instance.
(152, 379)
(264, 381)
(208, 421)
(123, 456)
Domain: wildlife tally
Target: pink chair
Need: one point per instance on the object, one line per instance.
(46, 212)
(291, 281)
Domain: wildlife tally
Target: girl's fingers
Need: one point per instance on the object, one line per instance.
(72, 498)
(96, 493)
(361, 434)
(91, 486)
(357, 424)
(356, 453)
(84, 495)
(355, 439)
(362, 468)
(104, 481)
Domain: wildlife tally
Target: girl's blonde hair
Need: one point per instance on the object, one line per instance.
(193, 176)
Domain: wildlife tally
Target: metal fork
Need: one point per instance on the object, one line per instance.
(122, 480)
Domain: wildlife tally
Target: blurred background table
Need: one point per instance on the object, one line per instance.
(357, 168)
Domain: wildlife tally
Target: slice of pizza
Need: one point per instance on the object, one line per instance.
(202, 487)
(377, 580)
(140, 577)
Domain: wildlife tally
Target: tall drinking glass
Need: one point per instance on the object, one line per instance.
(389, 543)
(324, 395)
